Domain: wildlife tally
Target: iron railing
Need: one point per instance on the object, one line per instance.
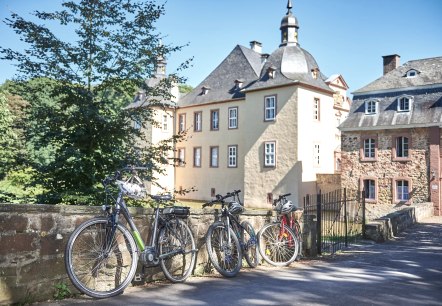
(340, 218)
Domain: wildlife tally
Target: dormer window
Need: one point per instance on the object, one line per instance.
(404, 104)
(411, 73)
(315, 73)
(239, 83)
(371, 107)
(271, 72)
(205, 90)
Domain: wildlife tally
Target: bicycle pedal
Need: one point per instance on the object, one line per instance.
(139, 277)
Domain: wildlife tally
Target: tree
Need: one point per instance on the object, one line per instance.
(78, 90)
(7, 136)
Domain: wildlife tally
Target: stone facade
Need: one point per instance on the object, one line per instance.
(384, 169)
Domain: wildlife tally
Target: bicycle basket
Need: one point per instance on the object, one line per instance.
(134, 190)
(177, 211)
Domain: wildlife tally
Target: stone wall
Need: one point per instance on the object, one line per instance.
(328, 182)
(384, 169)
(33, 239)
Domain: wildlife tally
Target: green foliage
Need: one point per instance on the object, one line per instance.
(17, 187)
(185, 89)
(62, 291)
(78, 128)
(7, 136)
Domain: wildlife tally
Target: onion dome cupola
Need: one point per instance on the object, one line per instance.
(289, 28)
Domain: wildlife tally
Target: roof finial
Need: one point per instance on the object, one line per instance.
(289, 6)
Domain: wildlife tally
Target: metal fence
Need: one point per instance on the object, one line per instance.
(340, 218)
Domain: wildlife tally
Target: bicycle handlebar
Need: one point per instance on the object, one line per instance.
(111, 178)
(283, 196)
(220, 198)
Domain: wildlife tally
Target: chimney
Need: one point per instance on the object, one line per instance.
(256, 46)
(391, 62)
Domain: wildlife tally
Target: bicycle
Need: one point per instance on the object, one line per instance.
(228, 240)
(280, 242)
(101, 255)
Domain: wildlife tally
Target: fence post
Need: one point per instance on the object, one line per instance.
(363, 214)
(319, 222)
(345, 217)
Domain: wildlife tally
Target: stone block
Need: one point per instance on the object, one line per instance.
(9, 222)
(23, 242)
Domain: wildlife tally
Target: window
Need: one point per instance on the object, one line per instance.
(402, 188)
(233, 117)
(232, 156)
(369, 148)
(181, 157)
(402, 144)
(197, 124)
(197, 157)
(137, 125)
(411, 73)
(370, 189)
(370, 107)
(270, 154)
(165, 124)
(270, 108)
(214, 118)
(316, 103)
(182, 122)
(404, 104)
(316, 155)
(214, 157)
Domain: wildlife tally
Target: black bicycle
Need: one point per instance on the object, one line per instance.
(102, 254)
(228, 239)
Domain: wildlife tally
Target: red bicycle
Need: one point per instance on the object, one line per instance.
(280, 241)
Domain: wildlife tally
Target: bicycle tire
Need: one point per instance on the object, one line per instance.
(250, 244)
(91, 272)
(175, 236)
(225, 257)
(277, 249)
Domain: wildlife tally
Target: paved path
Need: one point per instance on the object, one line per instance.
(405, 271)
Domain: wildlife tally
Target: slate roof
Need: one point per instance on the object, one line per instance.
(293, 64)
(429, 73)
(425, 90)
(242, 63)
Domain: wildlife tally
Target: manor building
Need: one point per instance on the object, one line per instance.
(391, 140)
(262, 123)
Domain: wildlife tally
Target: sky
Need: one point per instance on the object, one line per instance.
(347, 37)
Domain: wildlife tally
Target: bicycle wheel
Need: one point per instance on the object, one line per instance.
(250, 244)
(94, 271)
(225, 254)
(278, 247)
(177, 251)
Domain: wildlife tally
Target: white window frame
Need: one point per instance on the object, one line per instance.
(369, 148)
(371, 107)
(233, 117)
(316, 109)
(270, 103)
(181, 157)
(402, 191)
(214, 157)
(165, 123)
(412, 73)
(214, 120)
(401, 100)
(270, 154)
(198, 121)
(182, 122)
(232, 152)
(316, 155)
(197, 157)
(402, 146)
